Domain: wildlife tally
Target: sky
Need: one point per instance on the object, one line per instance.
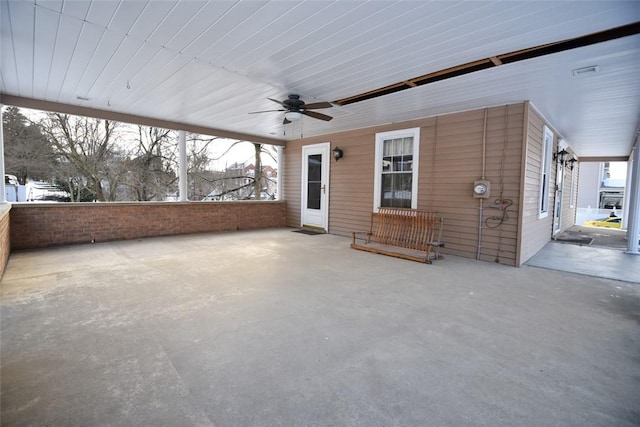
(241, 153)
(618, 170)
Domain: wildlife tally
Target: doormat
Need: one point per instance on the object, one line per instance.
(574, 238)
(308, 231)
(579, 241)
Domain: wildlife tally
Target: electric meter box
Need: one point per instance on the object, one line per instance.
(481, 189)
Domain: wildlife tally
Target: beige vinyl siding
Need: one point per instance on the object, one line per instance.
(450, 161)
(536, 232)
(569, 213)
(351, 190)
(454, 156)
(351, 181)
(292, 172)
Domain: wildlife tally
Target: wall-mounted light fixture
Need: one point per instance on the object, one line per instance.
(561, 156)
(337, 153)
(571, 162)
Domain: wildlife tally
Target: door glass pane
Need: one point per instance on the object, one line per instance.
(314, 181)
(315, 167)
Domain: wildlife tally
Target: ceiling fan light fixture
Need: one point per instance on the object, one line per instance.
(292, 116)
(294, 108)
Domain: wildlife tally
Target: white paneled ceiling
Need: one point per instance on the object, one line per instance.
(209, 63)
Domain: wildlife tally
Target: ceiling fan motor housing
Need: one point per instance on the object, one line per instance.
(294, 103)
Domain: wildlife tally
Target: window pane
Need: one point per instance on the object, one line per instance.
(386, 164)
(387, 190)
(407, 146)
(397, 147)
(396, 190)
(405, 163)
(397, 163)
(386, 147)
(403, 190)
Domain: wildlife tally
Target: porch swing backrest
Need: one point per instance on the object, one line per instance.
(404, 233)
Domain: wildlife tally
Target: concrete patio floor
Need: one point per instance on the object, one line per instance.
(271, 327)
(591, 251)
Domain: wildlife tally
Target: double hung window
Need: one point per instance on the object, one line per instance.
(396, 172)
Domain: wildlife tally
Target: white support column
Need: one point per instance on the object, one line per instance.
(633, 225)
(3, 190)
(626, 198)
(280, 172)
(182, 173)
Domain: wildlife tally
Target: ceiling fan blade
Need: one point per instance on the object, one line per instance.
(277, 102)
(317, 115)
(317, 105)
(265, 111)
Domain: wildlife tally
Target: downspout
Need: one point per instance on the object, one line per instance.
(524, 144)
(432, 177)
(484, 165)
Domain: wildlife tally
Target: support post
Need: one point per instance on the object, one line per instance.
(280, 176)
(633, 225)
(182, 173)
(3, 190)
(627, 193)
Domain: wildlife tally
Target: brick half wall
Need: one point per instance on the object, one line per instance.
(41, 225)
(5, 243)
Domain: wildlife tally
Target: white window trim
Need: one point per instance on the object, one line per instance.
(377, 179)
(545, 169)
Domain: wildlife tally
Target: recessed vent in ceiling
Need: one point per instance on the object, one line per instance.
(585, 70)
(496, 61)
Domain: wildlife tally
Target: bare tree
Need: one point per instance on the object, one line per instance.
(149, 171)
(240, 180)
(263, 181)
(106, 161)
(257, 174)
(87, 147)
(199, 160)
(27, 152)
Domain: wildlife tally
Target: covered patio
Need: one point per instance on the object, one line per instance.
(261, 71)
(272, 327)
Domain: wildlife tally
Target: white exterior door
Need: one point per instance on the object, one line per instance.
(315, 186)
